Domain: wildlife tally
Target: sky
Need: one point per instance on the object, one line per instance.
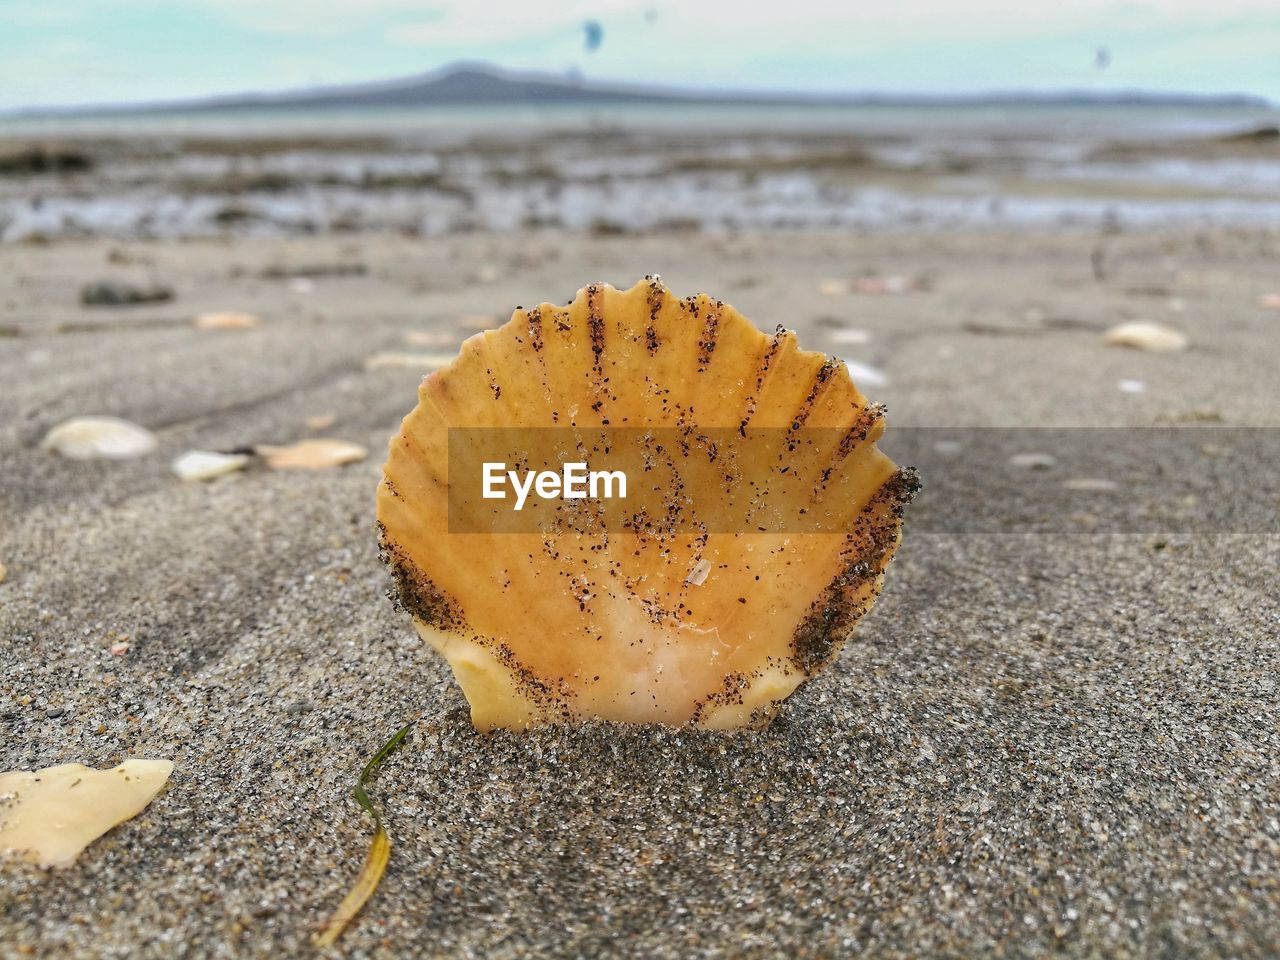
(93, 51)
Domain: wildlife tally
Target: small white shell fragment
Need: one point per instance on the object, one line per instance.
(429, 338)
(478, 321)
(1033, 461)
(421, 361)
(1132, 386)
(1145, 335)
(91, 438)
(317, 454)
(49, 816)
(850, 336)
(698, 575)
(865, 376)
(321, 421)
(119, 649)
(1090, 485)
(206, 464)
(1269, 301)
(226, 320)
(881, 285)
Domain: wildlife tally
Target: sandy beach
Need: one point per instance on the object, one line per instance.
(1036, 744)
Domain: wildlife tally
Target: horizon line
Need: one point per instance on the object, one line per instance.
(636, 92)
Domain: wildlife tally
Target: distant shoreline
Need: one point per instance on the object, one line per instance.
(481, 85)
(635, 169)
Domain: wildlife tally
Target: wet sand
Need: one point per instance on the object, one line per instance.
(621, 172)
(1035, 744)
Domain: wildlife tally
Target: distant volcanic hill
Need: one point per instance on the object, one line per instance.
(466, 84)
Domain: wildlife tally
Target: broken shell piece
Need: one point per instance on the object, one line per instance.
(849, 335)
(1145, 335)
(698, 575)
(49, 816)
(317, 454)
(873, 284)
(207, 465)
(477, 321)
(866, 374)
(90, 438)
(226, 320)
(1269, 301)
(417, 361)
(1033, 461)
(1090, 485)
(880, 284)
(322, 421)
(431, 338)
(566, 626)
(120, 648)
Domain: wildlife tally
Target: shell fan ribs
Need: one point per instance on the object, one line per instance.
(759, 519)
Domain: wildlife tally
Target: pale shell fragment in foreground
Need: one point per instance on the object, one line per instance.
(49, 816)
(90, 438)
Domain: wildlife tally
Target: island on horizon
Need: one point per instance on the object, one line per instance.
(466, 84)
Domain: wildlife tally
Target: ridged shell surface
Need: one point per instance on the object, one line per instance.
(678, 623)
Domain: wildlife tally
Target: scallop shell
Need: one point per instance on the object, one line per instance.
(711, 629)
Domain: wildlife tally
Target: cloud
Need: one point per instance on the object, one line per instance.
(493, 22)
(318, 17)
(134, 49)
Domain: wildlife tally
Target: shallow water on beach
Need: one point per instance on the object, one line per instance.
(641, 168)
